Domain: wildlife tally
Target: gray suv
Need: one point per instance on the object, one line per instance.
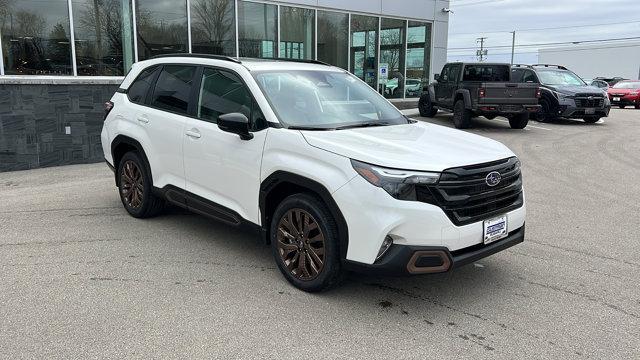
(563, 93)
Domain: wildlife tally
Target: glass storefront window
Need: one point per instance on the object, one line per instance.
(257, 29)
(36, 37)
(104, 37)
(213, 28)
(392, 57)
(333, 38)
(364, 48)
(162, 27)
(297, 33)
(418, 57)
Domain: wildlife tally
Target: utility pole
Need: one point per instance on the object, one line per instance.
(513, 45)
(482, 52)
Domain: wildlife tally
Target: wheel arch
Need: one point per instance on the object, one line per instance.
(281, 184)
(122, 144)
(464, 95)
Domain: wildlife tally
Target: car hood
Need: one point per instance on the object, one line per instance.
(575, 89)
(621, 91)
(418, 146)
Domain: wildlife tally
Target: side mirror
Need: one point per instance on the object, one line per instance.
(235, 123)
(436, 77)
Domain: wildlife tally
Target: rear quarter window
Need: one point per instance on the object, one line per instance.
(140, 87)
(487, 73)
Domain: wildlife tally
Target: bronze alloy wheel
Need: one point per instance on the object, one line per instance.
(132, 184)
(301, 244)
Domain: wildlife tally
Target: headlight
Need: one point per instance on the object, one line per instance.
(401, 184)
(560, 95)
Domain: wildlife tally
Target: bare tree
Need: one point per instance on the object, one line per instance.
(212, 22)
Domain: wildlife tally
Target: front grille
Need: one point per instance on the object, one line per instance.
(589, 100)
(463, 193)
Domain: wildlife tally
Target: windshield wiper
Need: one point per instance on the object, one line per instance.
(364, 124)
(309, 128)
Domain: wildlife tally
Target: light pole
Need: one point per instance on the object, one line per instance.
(513, 45)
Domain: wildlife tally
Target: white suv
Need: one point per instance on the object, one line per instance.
(334, 176)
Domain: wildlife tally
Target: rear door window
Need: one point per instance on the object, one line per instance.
(487, 73)
(173, 88)
(138, 90)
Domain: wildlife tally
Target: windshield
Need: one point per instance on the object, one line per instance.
(325, 100)
(627, 85)
(559, 77)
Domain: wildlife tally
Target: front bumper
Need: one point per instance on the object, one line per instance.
(402, 260)
(372, 214)
(625, 100)
(567, 108)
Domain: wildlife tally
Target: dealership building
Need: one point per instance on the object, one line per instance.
(60, 60)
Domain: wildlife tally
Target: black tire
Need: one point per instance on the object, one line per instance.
(330, 273)
(545, 114)
(146, 204)
(461, 115)
(491, 117)
(621, 106)
(426, 107)
(591, 119)
(637, 106)
(519, 121)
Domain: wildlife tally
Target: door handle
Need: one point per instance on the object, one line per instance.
(143, 119)
(193, 133)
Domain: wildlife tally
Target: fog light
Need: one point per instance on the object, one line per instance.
(386, 244)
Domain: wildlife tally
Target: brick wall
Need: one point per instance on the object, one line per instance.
(51, 124)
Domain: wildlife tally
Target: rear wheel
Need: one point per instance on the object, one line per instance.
(591, 119)
(637, 106)
(490, 117)
(304, 242)
(621, 106)
(135, 187)
(461, 115)
(519, 121)
(425, 106)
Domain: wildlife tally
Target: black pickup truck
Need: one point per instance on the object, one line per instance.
(480, 89)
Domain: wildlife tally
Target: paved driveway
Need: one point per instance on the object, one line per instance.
(79, 278)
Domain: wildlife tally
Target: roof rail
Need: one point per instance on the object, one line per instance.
(308, 61)
(206, 56)
(522, 65)
(551, 65)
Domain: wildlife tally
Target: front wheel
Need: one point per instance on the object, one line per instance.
(545, 113)
(461, 115)
(304, 242)
(519, 121)
(425, 106)
(591, 119)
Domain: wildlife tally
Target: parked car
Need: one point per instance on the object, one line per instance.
(597, 83)
(472, 89)
(611, 81)
(413, 87)
(332, 174)
(564, 94)
(625, 93)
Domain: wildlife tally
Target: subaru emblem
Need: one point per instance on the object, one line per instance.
(493, 178)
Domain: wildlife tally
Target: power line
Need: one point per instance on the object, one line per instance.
(565, 50)
(553, 43)
(476, 3)
(549, 28)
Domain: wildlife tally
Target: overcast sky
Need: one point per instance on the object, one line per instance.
(494, 19)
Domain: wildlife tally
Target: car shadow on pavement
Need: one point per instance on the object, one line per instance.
(245, 248)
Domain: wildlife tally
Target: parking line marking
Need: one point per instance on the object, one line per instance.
(533, 126)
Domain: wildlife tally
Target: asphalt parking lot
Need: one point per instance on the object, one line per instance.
(81, 279)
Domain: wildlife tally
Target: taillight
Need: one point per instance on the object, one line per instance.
(538, 93)
(107, 108)
(481, 92)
